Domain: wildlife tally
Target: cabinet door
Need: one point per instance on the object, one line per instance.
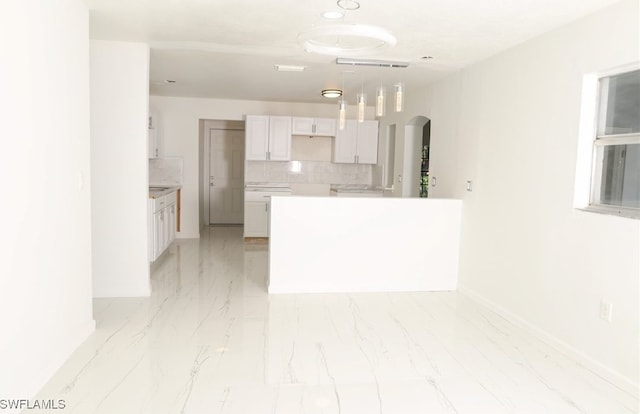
(256, 137)
(171, 224)
(325, 127)
(154, 152)
(256, 219)
(165, 229)
(344, 145)
(279, 138)
(158, 236)
(301, 126)
(367, 149)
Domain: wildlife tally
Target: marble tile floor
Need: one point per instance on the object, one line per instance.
(211, 340)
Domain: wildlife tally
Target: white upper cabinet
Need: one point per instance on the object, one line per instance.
(257, 137)
(268, 138)
(344, 145)
(314, 126)
(302, 126)
(152, 137)
(154, 149)
(367, 144)
(357, 143)
(279, 138)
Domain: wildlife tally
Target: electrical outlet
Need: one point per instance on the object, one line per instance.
(605, 311)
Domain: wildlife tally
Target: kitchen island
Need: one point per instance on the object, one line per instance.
(363, 244)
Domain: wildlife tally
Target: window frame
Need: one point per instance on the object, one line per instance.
(598, 141)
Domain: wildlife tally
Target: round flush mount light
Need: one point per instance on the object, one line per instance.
(346, 39)
(348, 4)
(331, 93)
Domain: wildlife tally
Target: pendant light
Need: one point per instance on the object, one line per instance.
(399, 97)
(342, 110)
(362, 102)
(380, 101)
(342, 114)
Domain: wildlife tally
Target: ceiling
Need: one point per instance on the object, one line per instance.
(228, 48)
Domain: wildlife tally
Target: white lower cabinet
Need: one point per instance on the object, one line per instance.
(158, 234)
(163, 224)
(256, 219)
(257, 208)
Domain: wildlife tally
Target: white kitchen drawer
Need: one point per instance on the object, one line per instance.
(264, 195)
(171, 198)
(159, 203)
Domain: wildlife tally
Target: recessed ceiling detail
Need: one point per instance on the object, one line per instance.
(346, 39)
(348, 4)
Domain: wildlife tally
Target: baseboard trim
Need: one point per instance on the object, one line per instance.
(596, 367)
(60, 353)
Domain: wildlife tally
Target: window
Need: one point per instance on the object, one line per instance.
(615, 184)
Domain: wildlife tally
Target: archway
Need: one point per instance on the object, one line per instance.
(417, 132)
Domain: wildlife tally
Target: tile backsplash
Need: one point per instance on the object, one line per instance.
(165, 171)
(308, 172)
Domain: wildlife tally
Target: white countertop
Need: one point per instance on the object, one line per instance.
(284, 187)
(356, 188)
(160, 190)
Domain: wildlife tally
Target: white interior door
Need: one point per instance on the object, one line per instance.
(226, 176)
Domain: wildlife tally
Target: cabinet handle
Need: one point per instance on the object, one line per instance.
(266, 209)
(313, 128)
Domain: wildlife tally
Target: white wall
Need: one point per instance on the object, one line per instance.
(511, 124)
(180, 129)
(119, 168)
(45, 282)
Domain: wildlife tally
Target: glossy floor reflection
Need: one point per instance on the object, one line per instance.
(210, 340)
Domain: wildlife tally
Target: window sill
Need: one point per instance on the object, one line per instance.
(613, 211)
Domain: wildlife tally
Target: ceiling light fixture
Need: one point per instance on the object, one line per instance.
(346, 39)
(348, 4)
(371, 62)
(331, 93)
(342, 114)
(289, 68)
(399, 97)
(342, 110)
(333, 15)
(362, 102)
(380, 98)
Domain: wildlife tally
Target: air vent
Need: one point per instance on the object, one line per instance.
(369, 62)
